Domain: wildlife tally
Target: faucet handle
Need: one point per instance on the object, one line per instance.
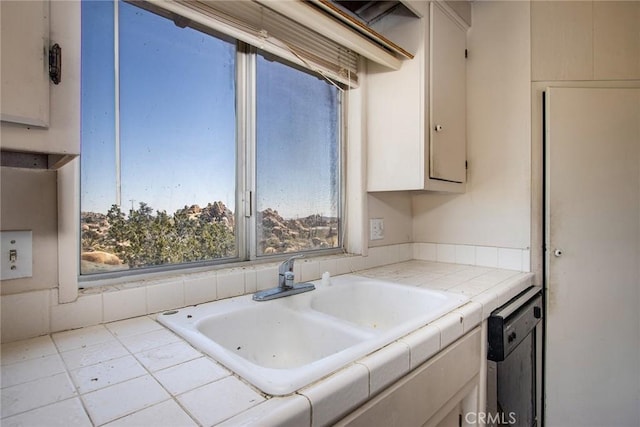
(288, 279)
(288, 264)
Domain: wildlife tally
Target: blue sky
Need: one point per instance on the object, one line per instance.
(178, 121)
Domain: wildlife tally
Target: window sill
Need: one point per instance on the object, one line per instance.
(144, 276)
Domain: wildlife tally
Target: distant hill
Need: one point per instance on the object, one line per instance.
(100, 249)
(278, 235)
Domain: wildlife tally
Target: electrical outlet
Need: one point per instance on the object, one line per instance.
(16, 258)
(376, 229)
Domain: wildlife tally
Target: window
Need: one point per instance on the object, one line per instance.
(187, 158)
(297, 160)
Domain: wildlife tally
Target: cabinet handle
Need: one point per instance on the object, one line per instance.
(55, 63)
(438, 128)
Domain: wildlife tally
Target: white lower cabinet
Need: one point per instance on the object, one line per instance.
(437, 393)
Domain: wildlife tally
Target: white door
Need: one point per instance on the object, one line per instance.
(592, 370)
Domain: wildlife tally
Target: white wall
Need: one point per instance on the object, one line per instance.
(28, 202)
(395, 209)
(495, 210)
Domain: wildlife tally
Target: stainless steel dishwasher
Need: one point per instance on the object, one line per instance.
(514, 361)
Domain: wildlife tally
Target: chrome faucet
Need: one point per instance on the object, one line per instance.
(286, 283)
(285, 272)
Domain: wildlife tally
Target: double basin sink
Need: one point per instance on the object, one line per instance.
(285, 344)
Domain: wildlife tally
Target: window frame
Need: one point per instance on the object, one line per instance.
(246, 215)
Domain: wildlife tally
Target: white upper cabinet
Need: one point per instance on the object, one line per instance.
(585, 40)
(25, 62)
(616, 40)
(416, 116)
(38, 116)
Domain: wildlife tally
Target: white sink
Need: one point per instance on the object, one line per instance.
(381, 305)
(285, 344)
(276, 337)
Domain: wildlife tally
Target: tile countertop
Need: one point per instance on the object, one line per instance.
(135, 372)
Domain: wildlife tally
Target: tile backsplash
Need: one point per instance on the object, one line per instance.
(483, 256)
(31, 314)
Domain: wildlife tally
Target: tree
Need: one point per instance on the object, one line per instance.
(144, 239)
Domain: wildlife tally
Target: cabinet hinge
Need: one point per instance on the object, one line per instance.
(466, 53)
(55, 63)
(466, 165)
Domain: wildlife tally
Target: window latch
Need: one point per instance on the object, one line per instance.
(248, 204)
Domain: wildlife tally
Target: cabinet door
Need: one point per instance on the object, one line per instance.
(429, 394)
(616, 40)
(25, 64)
(452, 419)
(448, 98)
(585, 40)
(561, 40)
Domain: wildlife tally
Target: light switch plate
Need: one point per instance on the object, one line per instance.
(16, 256)
(376, 229)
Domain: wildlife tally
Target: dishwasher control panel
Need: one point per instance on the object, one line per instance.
(512, 323)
